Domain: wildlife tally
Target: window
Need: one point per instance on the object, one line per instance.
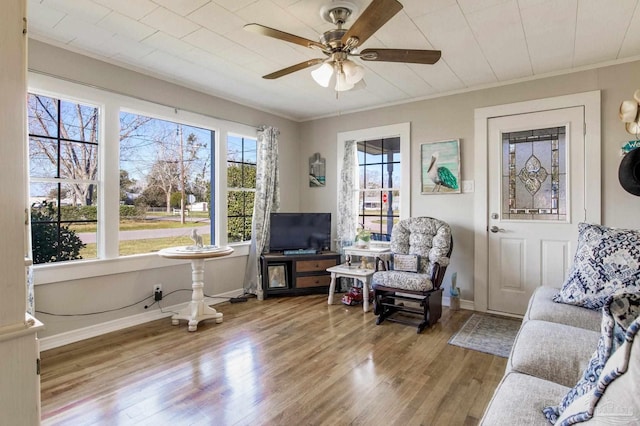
(379, 183)
(63, 178)
(383, 156)
(165, 183)
(92, 155)
(241, 186)
(534, 174)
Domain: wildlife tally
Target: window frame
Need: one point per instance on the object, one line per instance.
(243, 188)
(211, 148)
(401, 130)
(110, 105)
(366, 166)
(60, 181)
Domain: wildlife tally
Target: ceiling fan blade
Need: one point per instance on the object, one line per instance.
(293, 68)
(373, 17)
(281, 35)
(401, 55)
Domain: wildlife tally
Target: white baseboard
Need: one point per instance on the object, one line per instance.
(73, 336)
(464, 304)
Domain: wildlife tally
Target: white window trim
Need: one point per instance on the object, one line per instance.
(244, 136)
(401, 130)
(110, 105)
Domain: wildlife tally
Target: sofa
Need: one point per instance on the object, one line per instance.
(576, 358)
(552, 349)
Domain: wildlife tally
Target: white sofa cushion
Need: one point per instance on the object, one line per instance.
(554, 352)
(519, 400)
(542, 307)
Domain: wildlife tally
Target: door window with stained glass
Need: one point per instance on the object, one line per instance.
(534, 175)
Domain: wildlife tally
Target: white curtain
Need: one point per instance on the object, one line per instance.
(348, 197)
(267, 200)
(347, 203)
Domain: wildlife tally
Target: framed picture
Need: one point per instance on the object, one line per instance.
(440, 167)
(317, 166)
(277, 276)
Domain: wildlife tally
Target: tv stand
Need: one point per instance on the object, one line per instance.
(297, 274)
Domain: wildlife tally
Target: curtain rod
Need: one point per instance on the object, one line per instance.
(139, 98)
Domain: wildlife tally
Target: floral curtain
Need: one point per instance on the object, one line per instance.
(347, 197)
(267, 200)
(347, 203)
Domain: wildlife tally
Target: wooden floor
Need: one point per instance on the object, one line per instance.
(282, 361)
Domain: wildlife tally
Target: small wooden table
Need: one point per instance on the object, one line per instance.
(355, 272)
(197, 310)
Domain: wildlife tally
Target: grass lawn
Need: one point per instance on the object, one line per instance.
(129, 247)
(136, 225)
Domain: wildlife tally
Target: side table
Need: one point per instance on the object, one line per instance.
(371, 252)
(344, 270)
(197, 310)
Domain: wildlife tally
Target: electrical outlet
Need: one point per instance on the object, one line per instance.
(157, 292)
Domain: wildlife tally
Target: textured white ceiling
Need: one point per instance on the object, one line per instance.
(201, 44)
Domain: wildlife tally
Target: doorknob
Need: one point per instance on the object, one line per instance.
(495, 229)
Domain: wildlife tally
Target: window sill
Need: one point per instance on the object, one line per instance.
(81, 269)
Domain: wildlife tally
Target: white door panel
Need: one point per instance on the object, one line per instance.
(556, 256)
(536, 200)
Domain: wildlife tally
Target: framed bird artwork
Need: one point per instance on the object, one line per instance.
(440, 167)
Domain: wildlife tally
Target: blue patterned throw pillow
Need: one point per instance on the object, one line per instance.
(620, 324)
(606, 260)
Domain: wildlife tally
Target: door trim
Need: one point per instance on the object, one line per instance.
(592, 196)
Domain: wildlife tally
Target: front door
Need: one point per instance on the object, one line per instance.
(536, 166)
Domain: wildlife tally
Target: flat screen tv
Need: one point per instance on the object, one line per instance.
(295, 231)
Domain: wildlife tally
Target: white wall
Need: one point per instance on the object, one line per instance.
(453, 117)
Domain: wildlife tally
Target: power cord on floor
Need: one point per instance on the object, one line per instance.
(242, 298)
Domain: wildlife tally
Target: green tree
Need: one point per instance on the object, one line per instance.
(176, 197)
(152, 196)
(240, 177)
(50, 242)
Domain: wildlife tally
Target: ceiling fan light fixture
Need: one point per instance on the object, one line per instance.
(352, 71)
(322, 75)
(342, 85)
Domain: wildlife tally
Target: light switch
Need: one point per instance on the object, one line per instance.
(468, 186)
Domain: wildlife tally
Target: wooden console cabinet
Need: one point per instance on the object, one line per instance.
(289, 275)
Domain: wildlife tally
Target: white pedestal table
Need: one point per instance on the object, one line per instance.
(197, 310)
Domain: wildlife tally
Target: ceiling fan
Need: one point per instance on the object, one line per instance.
(341, 43)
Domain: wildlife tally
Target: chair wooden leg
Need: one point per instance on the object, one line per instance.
(435, 307)
(430, 311)
(382, 301)
(432, 308)
(377, 302)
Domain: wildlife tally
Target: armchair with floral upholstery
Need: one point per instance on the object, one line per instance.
(409, 283)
